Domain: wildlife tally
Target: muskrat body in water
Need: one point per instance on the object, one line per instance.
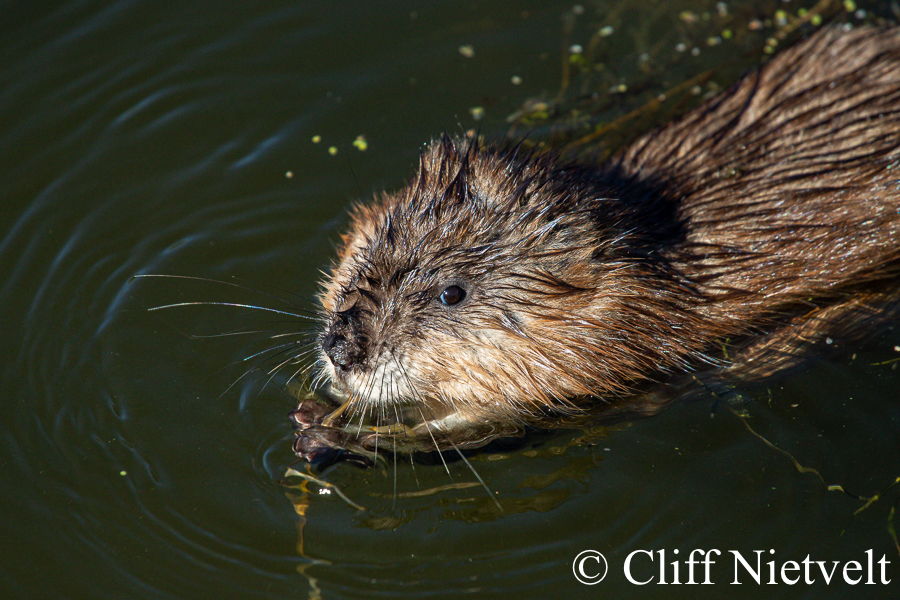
(501, 282)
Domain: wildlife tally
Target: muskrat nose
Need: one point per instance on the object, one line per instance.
(339, 351)
(343, 341)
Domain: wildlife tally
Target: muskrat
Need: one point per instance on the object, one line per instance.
(503, 283)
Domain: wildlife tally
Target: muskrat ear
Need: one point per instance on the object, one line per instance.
(452, 295)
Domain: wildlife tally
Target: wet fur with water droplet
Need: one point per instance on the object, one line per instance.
(502, 282)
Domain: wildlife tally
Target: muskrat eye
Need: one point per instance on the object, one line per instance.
(452, 295)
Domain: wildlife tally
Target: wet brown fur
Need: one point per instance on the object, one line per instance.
(758, 220)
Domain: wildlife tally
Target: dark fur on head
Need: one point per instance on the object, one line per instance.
(772, 204)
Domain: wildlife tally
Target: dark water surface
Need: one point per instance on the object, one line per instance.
(157, 138)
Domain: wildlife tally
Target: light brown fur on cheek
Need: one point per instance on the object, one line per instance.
(480, 382)
(492, 374)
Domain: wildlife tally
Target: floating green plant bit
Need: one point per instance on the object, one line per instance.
(688, 17)
(360, 143)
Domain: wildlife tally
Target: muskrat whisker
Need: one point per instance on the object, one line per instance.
(304, 351)
(291, 359)
(305, 348)
(232, 304)
(380, 417)
(395, 406)
(394, 499)
(319, 379)
(303, 333)
(198, 336)
(462, 457)
(270, 349)
(419, 404)
(359, 407)
(248, 288)
(273, 371)
(302, 371)
(235, 382)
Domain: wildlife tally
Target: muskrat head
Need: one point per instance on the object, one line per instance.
(489, 289)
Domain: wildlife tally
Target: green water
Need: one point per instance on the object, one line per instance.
(143, 456)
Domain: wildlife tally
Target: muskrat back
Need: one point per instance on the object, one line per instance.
(503, 282)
